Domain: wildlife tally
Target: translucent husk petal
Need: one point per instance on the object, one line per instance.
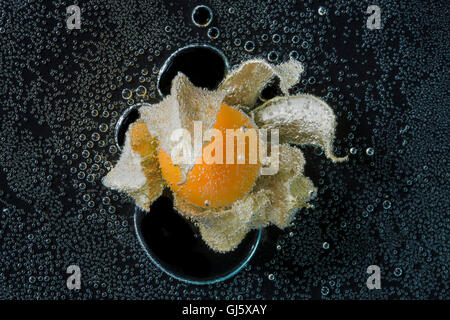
(244, 84)
(225, 231)
(137, 172)
(302, 119)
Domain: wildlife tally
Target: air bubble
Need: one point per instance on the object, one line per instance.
(249, 46)
(141, 91)
(322, 11)
(202, 16)
(276, 38)
(370, 151)
(272, 56)
(103, 127)
(293, 55)
(213, 33)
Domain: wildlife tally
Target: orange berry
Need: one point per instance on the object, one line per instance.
(216, 184)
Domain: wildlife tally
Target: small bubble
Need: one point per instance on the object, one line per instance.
(370, 151)
(271, 277)
(353, 150)
(322, 11)
(213, 33)
(272, 56)
(141, 91)
(276, 38)
(103, 127)
(325, 291)
(249, 46)
(112, 149)
(386, 204)
(293, 55)
(202, 16)
(325, 245)
(95, 136)
(398, 272)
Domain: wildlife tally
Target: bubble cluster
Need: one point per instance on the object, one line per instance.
(63, 92)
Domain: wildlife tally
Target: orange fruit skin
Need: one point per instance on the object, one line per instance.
(215, 185)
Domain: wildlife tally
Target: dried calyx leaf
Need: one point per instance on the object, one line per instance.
(302, 119)
(289, 188)
(272, 201)
(127, 175)
(224, 232)
(137, 172)
(244, 84)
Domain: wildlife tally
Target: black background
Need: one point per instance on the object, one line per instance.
(388, 87)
